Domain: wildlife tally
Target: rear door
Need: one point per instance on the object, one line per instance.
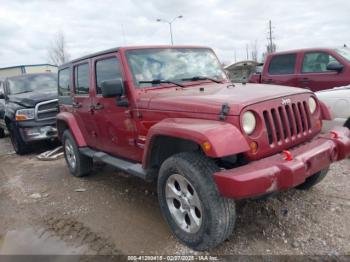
(82, 101)
(314, 74)
(114, 124)
(280, 70)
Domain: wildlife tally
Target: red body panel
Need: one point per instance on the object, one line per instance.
(313, 81)
(225, 138)
(70, 120)
(275, 173)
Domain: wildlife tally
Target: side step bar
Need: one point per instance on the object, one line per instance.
(123, 165)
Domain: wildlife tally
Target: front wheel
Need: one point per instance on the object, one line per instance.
(191, 203)
(79, 165)
(17, 141)
(313, 180)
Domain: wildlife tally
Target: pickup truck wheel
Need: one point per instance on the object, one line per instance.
(17, 141)
(191, 203)
(313, 180)
(79, 165)
(2, 133)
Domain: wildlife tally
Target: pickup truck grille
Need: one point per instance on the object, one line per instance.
(287, 122)
(46, 110)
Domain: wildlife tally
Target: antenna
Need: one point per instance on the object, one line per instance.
(123, 33)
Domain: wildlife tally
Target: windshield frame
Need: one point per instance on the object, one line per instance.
(29, 78)
(163, 85)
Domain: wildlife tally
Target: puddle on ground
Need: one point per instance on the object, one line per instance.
(35, 242)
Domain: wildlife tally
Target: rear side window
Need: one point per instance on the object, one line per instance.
(282, 64)
(64, 82)
(82, 79)
(106, 69)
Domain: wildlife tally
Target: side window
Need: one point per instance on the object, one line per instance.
(282, 64)
(106, 69)
(317, 62)
(64, 82)
(81, 84)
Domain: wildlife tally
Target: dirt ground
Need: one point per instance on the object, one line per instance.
(44, 210)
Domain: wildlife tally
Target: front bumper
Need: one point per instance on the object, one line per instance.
(31, 134)
(275, 173)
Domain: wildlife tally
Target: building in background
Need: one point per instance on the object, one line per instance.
(26, 69)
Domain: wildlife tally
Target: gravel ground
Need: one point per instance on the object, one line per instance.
(113, 213)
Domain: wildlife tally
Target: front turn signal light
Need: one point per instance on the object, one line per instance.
(253, 147)
(206, 146)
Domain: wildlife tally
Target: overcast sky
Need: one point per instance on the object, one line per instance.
(28, 26)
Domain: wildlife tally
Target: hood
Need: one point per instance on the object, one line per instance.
(211, 99)
(32, 98)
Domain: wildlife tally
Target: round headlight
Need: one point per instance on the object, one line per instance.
(249, 122)
(312, 105)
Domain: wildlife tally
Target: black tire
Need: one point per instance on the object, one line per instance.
(17, 141)
(83, 164)
(218, 213)
(2, 133)
(347, 123)
(313, 180)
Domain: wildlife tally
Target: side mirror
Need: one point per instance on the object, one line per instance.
(334, 66)
(112, 88)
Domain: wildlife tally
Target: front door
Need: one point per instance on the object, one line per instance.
(314, 74)
(115, 127)
(82, 102)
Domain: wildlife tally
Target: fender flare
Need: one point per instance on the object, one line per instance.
(73, 126)
(325, 111)
(225, 139)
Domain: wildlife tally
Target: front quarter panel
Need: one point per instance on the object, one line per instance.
(225, 139)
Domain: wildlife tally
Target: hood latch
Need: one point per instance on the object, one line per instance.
(225, 109)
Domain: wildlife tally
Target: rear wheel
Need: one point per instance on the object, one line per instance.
(17, 141)
(191, 203)
(313, 180)
(79, 165)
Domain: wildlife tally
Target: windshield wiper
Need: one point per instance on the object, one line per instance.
(198, 78)
(159, 81)
(27, 91)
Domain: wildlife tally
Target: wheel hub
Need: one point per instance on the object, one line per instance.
(183, 203)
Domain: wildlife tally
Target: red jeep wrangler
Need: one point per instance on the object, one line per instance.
(169, 113)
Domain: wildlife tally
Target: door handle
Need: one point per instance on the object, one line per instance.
(268, 81)
(304, 80)
(98, 106)
(76, 105)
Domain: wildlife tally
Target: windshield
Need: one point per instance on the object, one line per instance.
(344, 52)
(173, 64)
(32, 83)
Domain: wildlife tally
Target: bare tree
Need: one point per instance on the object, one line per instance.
(57, 51)
(254, 52)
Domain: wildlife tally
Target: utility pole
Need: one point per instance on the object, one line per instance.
(270, 35)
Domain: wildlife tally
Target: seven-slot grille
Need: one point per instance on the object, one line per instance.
(46, 110)
(287, 122)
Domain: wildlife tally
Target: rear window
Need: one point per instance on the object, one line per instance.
(282, 64)
(82, 79)
(64, 82)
